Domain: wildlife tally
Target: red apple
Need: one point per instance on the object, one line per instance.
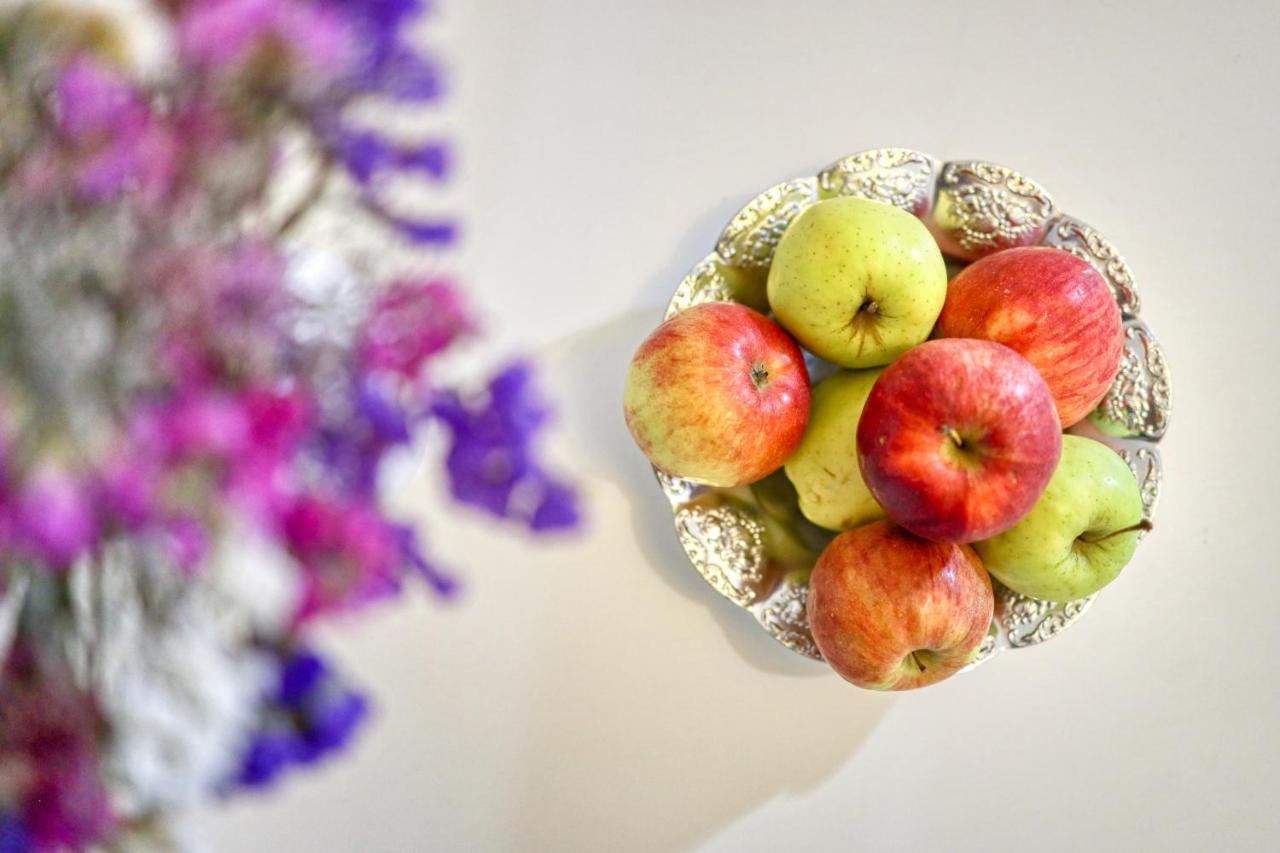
(958, 439)
(1053, 308)
(892, 611)
(718, 394)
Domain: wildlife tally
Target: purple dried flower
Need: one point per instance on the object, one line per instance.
(310, 715)
(388, 67)
(406, 76)
(328, 710)
(352, 448)
(366, 154)
(491, 462)
(13, 835)
(444, 584)
(269, 753)
(439, 232)
(387, 420)
(557, 508)
(331, 717)
(380, 21)
(300, 673)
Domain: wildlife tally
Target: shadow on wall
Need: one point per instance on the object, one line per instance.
(648, 733)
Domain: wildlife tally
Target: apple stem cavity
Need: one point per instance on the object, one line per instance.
(1144, 526)
(759, 375)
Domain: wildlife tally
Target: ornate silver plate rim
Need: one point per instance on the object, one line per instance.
(754, 553)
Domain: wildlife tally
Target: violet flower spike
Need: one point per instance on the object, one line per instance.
(310, 715)
(491, 460)
(13, 835)
(366, 155)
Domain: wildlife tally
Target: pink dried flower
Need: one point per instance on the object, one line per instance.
(93, 102)
(409, 323)
(209, 424)
(243, 442)
(223, 311)
(112, 140)
(48, 743)
(187, 542)
(225, 37)
(54, 518)
(348, 553)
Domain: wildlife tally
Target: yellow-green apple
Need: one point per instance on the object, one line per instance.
(892, 611)
(857, 282)
(1081, 532)
(824, 468)
(717, 394)
(1053, 308)
(958, 438)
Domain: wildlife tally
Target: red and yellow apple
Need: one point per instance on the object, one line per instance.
(717, 394)
(892, 611)
(1050, 306)
(958, 439)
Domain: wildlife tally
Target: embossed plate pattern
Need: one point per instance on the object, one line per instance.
(751, 544)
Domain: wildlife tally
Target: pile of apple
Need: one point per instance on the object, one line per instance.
(937, 450)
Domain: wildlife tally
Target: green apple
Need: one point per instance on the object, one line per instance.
(1080, 533)
(824, 468)
(857, 282)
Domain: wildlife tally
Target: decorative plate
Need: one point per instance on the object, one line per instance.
(751, 543)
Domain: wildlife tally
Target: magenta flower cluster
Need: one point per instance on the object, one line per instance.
(200, 411)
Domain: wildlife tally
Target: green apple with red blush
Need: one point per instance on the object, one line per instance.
(1079, 535)
(857, 282)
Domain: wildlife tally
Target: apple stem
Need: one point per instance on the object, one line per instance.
(954, 436)
(1143, 525)
(916, 660)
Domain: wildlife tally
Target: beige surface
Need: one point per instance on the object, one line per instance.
(597, 696)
